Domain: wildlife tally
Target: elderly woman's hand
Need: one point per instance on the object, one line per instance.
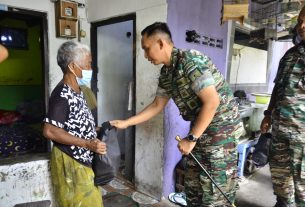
(97, 146)
(266, 124)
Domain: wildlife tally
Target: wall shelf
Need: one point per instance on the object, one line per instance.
(66, 28)
(66, 19)
(66, 9)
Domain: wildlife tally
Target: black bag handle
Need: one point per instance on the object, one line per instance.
(105, 126)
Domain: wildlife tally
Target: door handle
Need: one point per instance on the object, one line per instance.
(130, 95)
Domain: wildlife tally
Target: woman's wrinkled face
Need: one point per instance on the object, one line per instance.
(85, 64)
(152, 49)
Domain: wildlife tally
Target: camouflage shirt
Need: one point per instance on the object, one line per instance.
(289, 110)
(188, 73)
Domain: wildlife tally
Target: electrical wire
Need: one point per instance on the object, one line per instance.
(238, 66)
(86, 9)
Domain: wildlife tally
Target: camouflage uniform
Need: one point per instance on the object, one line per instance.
(188, 73)
(287, 162)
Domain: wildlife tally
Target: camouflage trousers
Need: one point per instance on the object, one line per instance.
(287, 166)
(218, 155)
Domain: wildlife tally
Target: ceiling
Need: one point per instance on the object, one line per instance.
(267, 19)
(273, 14)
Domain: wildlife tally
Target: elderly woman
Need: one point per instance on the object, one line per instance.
(71, 127)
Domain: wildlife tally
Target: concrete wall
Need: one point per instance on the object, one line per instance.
(26, 180)
(103, 9)
(244, 62)
(149, 135)
(278, 50)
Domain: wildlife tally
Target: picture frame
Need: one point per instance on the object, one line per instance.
(68, 11)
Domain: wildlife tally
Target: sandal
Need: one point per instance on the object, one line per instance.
(178, 198)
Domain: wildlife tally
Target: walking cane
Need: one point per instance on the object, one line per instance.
(209, 176)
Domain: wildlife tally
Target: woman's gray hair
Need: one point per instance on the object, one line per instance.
(71, 52)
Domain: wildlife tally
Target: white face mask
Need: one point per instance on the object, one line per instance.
(86, 79)
(86, 76)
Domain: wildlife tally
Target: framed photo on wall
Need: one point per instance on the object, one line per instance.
(66, 9)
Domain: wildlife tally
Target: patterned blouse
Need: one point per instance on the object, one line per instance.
(188, 73)
(68, 110)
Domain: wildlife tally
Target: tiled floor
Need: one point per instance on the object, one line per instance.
(119, 185)
(255, 191)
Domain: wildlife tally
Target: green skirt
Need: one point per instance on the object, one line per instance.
(73, 183)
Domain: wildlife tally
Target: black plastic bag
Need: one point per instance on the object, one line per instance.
(106, 166)
(260, 156)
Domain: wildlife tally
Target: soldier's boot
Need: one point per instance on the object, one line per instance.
(280, 202)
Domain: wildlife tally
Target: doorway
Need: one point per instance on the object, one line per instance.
(113, 49)
(23, 82)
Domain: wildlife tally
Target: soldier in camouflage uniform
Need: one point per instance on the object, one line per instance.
(204, 98)
(286, 112)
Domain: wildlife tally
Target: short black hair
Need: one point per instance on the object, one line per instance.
(157, 27)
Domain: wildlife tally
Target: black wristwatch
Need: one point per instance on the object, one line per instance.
(192, 138)
(267, 113)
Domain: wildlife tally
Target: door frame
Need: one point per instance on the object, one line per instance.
(44, 45)
(94, 50)
(93, 43)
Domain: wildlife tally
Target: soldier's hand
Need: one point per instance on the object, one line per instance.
(120, 124)
(266, 124)
(185, 146)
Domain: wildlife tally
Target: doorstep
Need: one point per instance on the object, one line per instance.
(125, 188)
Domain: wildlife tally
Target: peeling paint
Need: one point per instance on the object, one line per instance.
(39, 194)
(3, 176)
(28, 182)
